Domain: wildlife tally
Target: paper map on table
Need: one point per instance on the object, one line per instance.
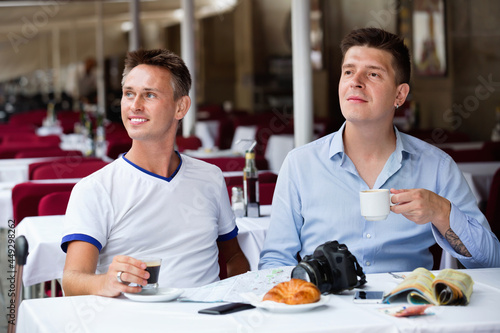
(231, 289)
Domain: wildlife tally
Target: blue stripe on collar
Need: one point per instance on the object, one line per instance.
(168, 179)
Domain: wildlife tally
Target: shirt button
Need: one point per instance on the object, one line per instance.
(368, 236)
(368, 263)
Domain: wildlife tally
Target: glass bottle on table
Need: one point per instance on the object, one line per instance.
(251, 184)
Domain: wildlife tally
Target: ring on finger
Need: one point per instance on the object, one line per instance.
(119, 276)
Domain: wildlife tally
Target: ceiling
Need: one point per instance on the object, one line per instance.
(35, 34)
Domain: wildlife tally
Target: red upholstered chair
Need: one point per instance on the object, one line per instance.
(61, 169)
(116, 147)
(70, 160)
(191, 142)
(493, 205)
(266, 192)
(264, 177)
(45, 152)
(26, 197)
(236, 163)
(493, 148)
(32, 117)
(54, 203)
(470, 155)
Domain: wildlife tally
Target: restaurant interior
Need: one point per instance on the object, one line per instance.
(62, 63)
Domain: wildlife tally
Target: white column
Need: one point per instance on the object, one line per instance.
(99, 39)
(56, 64)
(188, 55)
(302, 72)
(135, 34)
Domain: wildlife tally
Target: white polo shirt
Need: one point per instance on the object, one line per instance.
(125, 210)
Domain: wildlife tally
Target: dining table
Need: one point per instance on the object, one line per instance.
(45, 261)
(173, 311)
(479, 176)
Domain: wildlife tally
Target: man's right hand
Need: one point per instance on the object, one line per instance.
(79, 277)
(133, 271)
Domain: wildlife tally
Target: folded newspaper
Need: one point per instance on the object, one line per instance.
(449, 287)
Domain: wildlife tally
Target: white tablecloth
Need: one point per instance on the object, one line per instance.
(46, 259)
(16, 169)
(340, 314)
(207, 131)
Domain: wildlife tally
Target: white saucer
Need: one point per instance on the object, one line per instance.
(163, 295)
(287, 308)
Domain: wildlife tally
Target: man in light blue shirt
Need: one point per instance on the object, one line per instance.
(317, 193)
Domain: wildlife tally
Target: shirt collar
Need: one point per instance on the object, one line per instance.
(337, 145)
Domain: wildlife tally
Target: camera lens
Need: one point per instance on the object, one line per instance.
(301, 272)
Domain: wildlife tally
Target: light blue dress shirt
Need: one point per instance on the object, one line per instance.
(317, 200)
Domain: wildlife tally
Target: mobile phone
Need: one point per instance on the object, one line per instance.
(227, 308)
(368, 296)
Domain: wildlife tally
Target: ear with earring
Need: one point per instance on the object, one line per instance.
(397, 106)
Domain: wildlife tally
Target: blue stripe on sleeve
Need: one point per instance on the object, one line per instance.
(229, 235)
(79, 237)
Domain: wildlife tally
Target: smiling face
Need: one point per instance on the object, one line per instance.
(148, 108)
(367, 89)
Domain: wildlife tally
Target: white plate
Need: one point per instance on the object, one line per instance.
(163, 295)
(287, 308)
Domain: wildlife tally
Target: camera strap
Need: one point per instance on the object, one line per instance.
(359, 271)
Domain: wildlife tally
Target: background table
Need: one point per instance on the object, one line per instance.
(16, 169)
(479, 175)
(100, 314)
(46, 259)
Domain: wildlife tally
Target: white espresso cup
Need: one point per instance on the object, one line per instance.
(375, 204)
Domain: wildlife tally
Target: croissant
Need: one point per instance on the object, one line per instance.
(293, 292)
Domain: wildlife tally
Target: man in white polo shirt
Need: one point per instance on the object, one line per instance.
(151, 202)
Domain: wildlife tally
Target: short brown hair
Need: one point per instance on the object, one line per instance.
(382, 40)
(181, 78)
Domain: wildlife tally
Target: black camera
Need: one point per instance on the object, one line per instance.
(332, 268)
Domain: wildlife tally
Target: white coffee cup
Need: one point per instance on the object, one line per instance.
(375, 204)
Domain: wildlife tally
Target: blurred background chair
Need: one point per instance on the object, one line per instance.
(65, 169)
(191, 143)
(235, 163)
(54, 203)
(26, 197)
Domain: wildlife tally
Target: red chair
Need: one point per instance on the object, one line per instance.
(26, 197)
(60, 169)
(236, 163)
(45, 152)
(32, 117)
(54, 203)
(470, 155)
(70, 160)
(266, 192)
(264, 177)
(191, 142)
(118, 147)
(493, 205)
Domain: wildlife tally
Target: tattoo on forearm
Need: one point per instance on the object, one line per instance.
(456, 243)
